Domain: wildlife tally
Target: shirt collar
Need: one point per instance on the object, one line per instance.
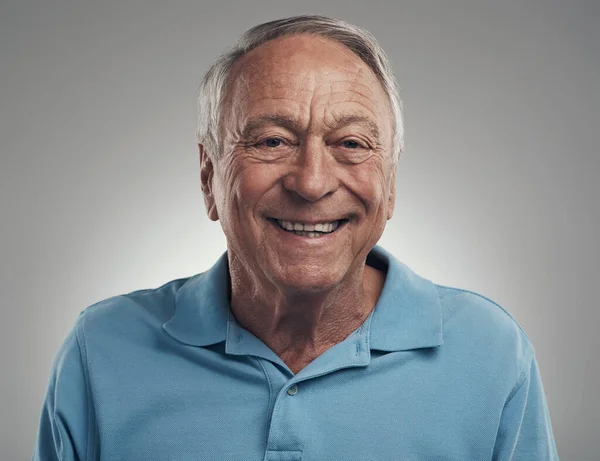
(202, 307)
(408, 313)
(407, 316)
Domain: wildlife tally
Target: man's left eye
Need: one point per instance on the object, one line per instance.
(350, 144)
(272, 142)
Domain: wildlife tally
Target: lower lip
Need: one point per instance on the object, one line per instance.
(326, 238)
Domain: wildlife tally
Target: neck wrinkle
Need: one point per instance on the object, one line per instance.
(299, 327)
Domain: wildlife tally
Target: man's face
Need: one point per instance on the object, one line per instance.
(307, 137)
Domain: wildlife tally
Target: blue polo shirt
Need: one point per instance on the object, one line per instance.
(434, 373)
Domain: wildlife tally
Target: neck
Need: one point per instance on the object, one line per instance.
(299, 326)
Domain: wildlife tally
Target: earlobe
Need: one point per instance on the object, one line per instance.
(211, 211)
(206, 182)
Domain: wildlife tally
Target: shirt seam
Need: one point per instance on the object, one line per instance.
(60, 439)
(463, 290)
(522, 375)
(80, 335)
(145, 291)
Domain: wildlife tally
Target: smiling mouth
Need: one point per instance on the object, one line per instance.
(309, 230)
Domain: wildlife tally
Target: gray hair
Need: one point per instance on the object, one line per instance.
(361, 42)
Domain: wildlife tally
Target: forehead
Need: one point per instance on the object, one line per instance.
(304, 73)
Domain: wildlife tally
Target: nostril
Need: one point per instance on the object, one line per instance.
(310, 185)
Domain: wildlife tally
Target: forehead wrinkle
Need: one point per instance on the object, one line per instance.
(348, 78)
(357, 78)
(260, 68)
(342, 120)
(365, 73)
(248, 96)
(344, 86)
(307, 81)
(252, 69)
(340, 85)
(278, 118)
(362, 73)
(354, 96)
(263, 73)
(279, 86)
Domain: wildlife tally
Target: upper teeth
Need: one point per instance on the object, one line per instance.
(320, 227)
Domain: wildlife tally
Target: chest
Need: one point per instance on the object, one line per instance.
(395, 408)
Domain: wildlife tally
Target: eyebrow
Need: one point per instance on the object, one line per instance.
(269, 119)
(292, 124)
(350, 119)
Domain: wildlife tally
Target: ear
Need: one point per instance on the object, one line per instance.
(392, 196)
(206, 179)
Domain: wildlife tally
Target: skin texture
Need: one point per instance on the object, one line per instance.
(307, 137)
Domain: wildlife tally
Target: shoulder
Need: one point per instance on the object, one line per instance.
(481, 309)
(130, 313)
(481, 328)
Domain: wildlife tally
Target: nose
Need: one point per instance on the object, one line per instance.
(313, 176)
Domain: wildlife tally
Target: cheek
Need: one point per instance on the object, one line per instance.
(369, 184)
(244, 188)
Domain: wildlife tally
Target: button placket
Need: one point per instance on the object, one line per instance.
(286, 426)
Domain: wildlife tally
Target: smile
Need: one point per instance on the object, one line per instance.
(309, 230)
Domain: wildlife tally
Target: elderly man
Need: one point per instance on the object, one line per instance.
(305, 341)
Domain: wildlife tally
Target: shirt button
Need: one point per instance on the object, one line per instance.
(293, 390)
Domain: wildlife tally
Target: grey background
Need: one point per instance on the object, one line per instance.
(497, 188)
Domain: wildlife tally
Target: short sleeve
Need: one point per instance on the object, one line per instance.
(525, 431)
(64, 427)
